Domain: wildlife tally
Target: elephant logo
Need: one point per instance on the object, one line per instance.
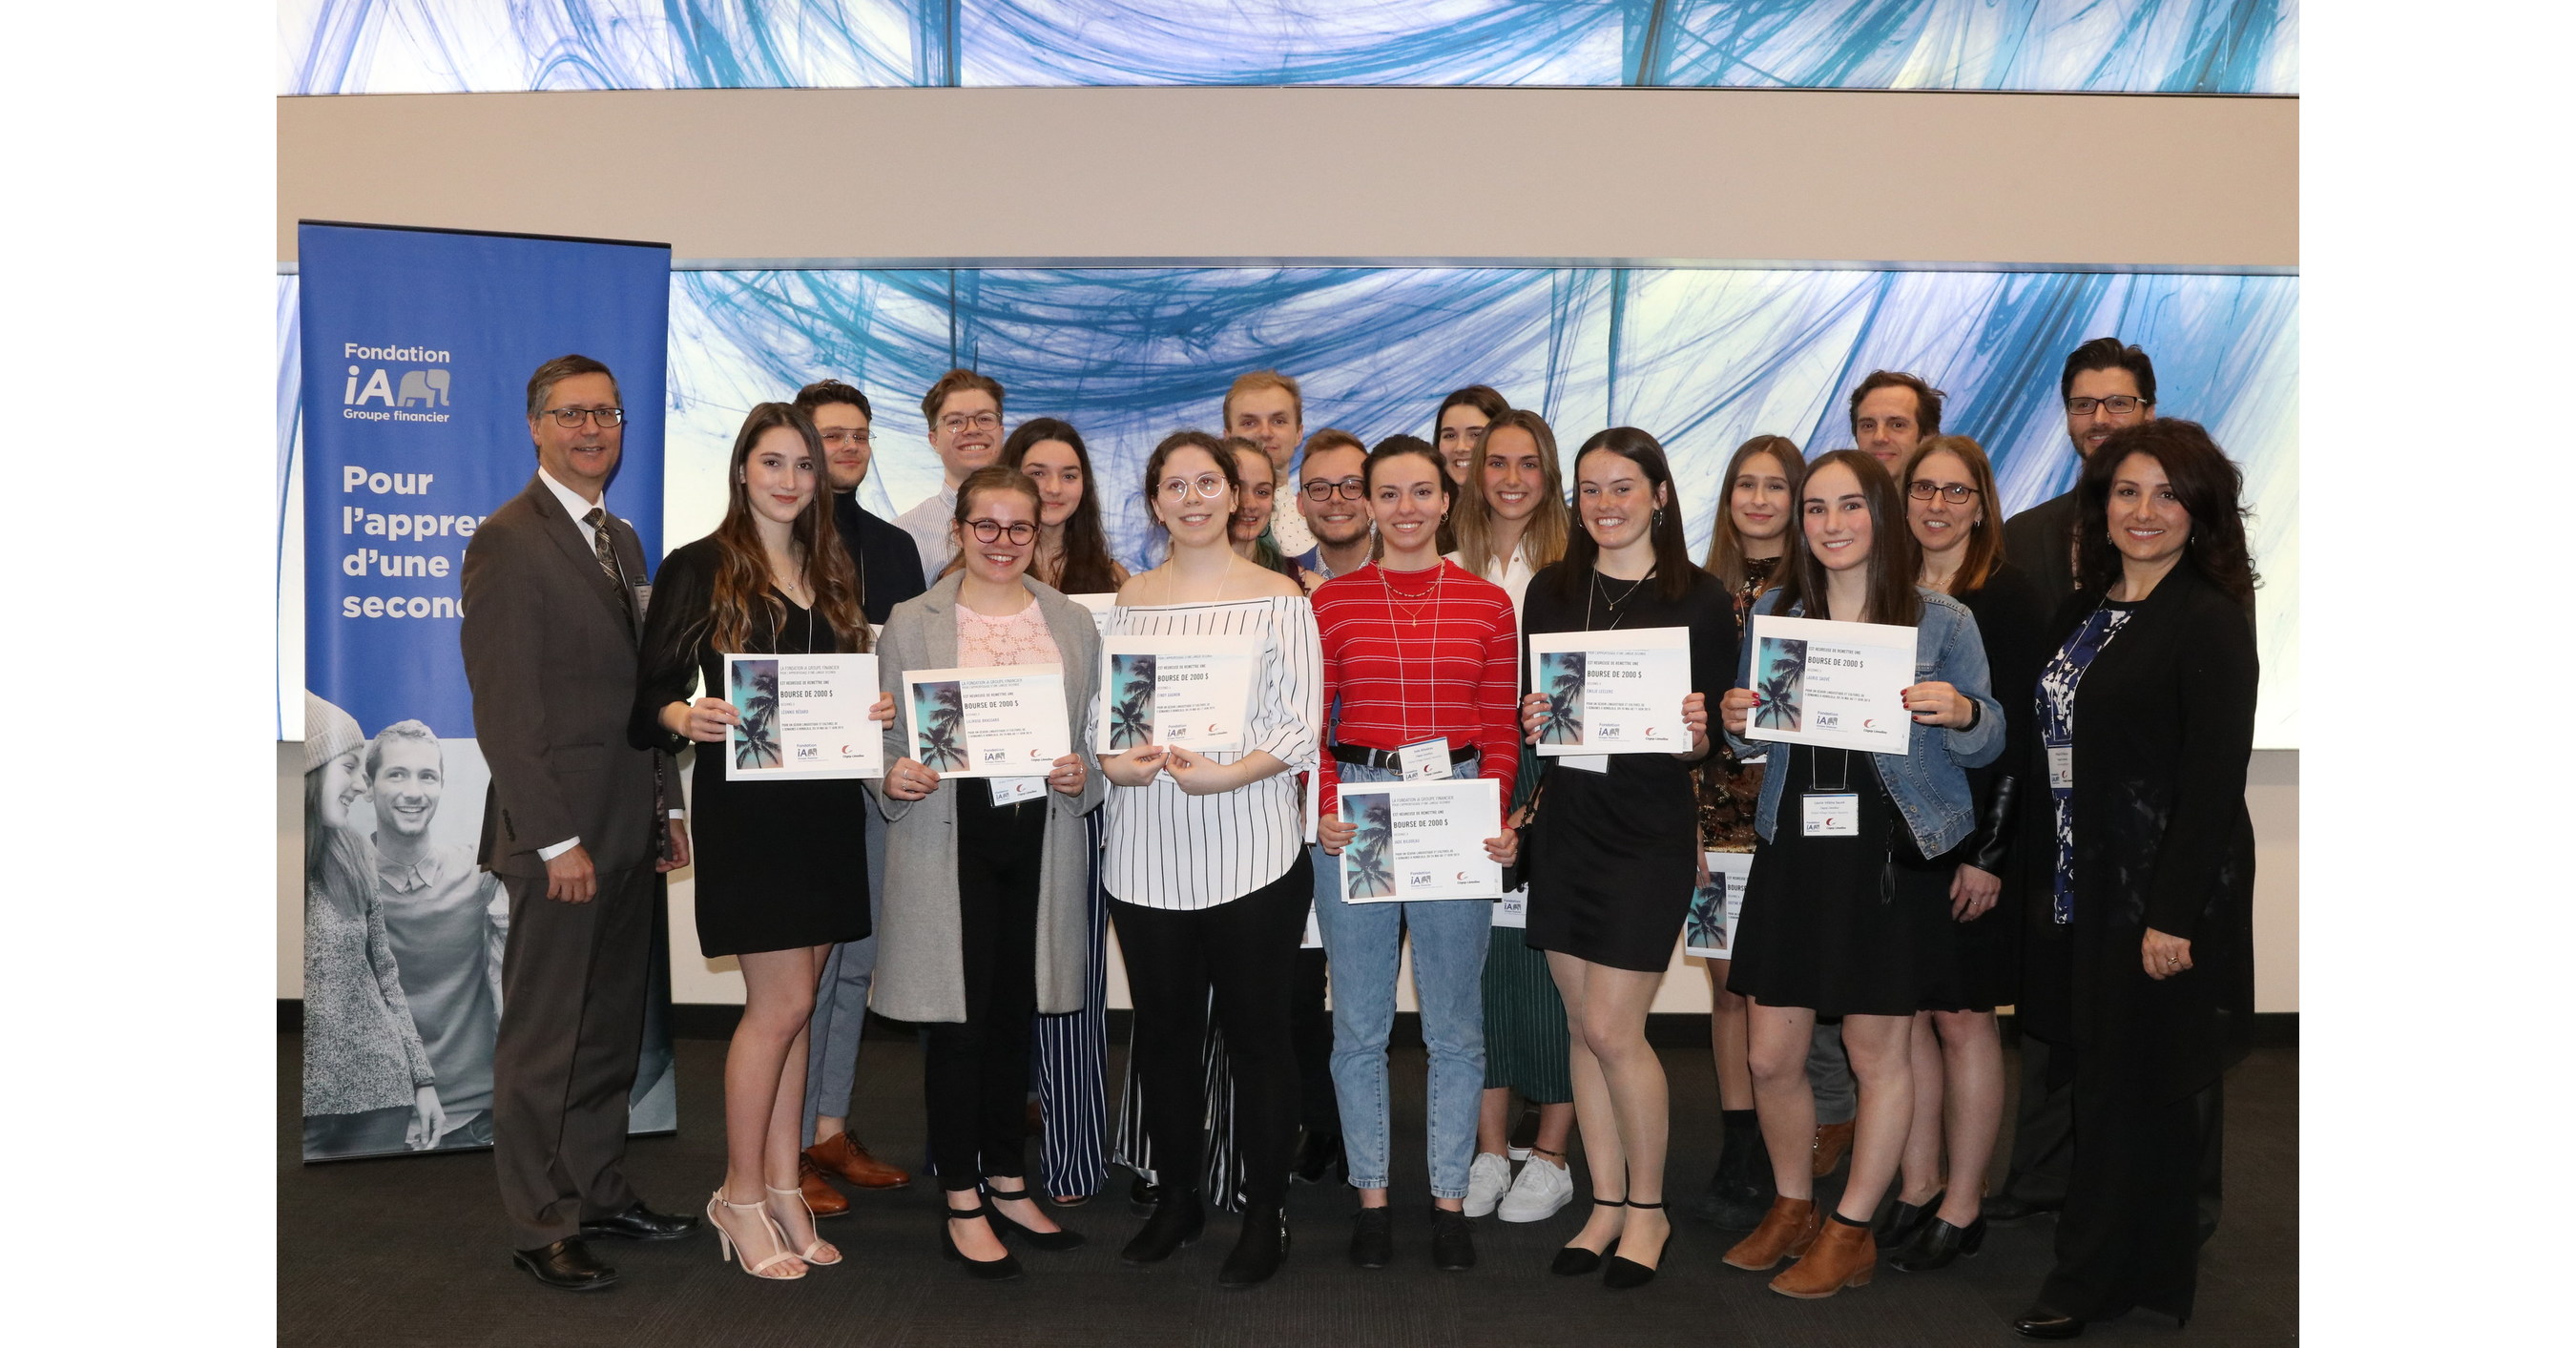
(427, 387)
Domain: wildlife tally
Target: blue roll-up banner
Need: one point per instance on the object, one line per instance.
(417, 347)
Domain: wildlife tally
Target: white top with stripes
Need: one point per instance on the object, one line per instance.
(1169, 849)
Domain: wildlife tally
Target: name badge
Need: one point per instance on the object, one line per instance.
(1512, 910)
(1834, 815)
(2061, 767)
(1013, 790)
(1426, 761)
(1582, 762)
(643, 599)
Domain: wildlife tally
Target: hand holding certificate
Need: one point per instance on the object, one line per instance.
(1611, 692)
(802, 716)
(997, 721)
(1412, 841)
(1831, 685)
(1191, 692)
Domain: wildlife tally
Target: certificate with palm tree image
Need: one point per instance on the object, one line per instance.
(1612, 692)
(1191, 691)
(1421, 840)
(1832, 685)
(996, 721)
(803, 716)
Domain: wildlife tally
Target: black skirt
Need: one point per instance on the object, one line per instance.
(1845, 926)
(779, 864)
(1611, 865)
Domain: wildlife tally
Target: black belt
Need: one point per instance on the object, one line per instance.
(1391, 760)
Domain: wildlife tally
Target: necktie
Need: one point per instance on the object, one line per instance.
(597, 519)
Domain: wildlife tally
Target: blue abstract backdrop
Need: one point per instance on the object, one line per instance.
(2109, 46)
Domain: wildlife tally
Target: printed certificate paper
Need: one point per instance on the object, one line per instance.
(1194, 692)
(1709, 931)
(1612, 692)
(1000, 721)
(1832, 685)
(1421, 840)
(803, 716)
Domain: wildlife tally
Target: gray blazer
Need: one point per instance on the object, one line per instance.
(921, 975)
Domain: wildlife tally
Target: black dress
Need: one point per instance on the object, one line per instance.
(1976, 966)
(780, 864)
(1613, 855)
(1846, 926)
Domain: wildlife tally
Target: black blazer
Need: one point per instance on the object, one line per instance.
(549, 643)
(888, 562)
(2041, 541)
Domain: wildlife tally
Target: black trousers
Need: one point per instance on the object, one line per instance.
(2131, 1232)
(2043, 1150)
(1245, 953)
(975, 1073)
(573, 983)
(1310, 1026)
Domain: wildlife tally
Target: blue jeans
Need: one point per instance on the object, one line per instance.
(1364, 942)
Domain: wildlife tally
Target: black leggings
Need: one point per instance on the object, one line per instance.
(976, 1073)
(1244, 951)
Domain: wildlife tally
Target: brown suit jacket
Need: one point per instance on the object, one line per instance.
(550, 652)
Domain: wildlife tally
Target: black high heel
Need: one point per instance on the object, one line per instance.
(992, 1270)
(1573, 1261)
(1044, 1240)
(1940, 1243)
(1623, 1274)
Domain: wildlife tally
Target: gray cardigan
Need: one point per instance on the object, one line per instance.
(920, 970)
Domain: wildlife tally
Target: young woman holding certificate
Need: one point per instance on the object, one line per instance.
(1421, 668)
(1957, 1051)
(2145, 720)
(988, 883)
(1614, 844)
(1208, 877)
(781, 866)
(1851, 878)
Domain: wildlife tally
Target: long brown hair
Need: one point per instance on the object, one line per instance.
(1544, 536)
(1985, 545)
(742, 564)
(1673, 567)
(1087, 566)
(1726, 545)
(2205, 482)
(1893, 600)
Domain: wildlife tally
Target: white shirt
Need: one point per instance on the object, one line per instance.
(1288, 529)
(1513, 574)
(928, 524)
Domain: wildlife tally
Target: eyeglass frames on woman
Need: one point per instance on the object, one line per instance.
(1923, 489)
(993, 531)
(571, 417)
(1208, 485)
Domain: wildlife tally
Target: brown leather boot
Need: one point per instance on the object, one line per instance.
(820, 1196)
(1833, 1142)
(1844, 1256)
(1785, 1233)
(841, 1155)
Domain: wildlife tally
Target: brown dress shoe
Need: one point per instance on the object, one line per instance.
(1833, 1143)
(1844, 1256)
(841, 1156)
(820, 1196)
(1785, 1233)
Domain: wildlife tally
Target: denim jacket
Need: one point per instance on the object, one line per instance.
(1928, 782)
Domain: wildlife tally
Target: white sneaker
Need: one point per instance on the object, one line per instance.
(1543, 1187)
(1486, 1180)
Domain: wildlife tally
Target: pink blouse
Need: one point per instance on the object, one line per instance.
(1020, 639)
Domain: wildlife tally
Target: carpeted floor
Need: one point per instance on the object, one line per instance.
(411, 1251)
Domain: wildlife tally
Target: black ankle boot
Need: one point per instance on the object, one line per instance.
(1178, 1219)
(1741, 1191)
(1260, 1250)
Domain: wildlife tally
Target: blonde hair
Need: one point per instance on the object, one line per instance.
(1254, 383)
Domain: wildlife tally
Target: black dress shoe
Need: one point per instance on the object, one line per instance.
(2010, 1210)
(640, 1223)
(1573, 1261)
(1372, 1238)
(1003, 1225)
(1317, 1153)
(566, 1264)
(1143, 1196)
(1625, 1274)
(1177, 1221)
(991, 1270)
(1897, 1225)
(1938, 1243)
(1259, 1251)
(2039, 1322)
(1453, 1241)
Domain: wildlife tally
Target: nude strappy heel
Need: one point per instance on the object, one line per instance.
(726, 1242)
(808, 1253)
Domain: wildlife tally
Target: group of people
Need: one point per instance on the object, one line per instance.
(2092, 871)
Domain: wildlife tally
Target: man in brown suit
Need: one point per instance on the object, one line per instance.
(575, 826)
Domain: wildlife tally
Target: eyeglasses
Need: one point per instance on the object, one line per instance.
(1209, 485)
(992, 531)
(958, 421)
(1924, 489)
(2118, 405)
(842, 437)
(570, 418)
(1349, 489)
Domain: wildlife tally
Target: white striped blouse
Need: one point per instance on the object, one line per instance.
(1170, 849)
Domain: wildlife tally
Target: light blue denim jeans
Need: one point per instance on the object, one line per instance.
(1363, 943)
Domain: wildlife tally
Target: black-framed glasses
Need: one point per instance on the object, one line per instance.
(837, 436)
(1349, 489)
(1924, 489)
(2118, 405)
(994, 531)
(570, 418)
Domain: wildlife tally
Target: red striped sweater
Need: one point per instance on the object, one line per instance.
(1418, 654)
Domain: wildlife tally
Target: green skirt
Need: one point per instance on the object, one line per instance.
(1526, 1047)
